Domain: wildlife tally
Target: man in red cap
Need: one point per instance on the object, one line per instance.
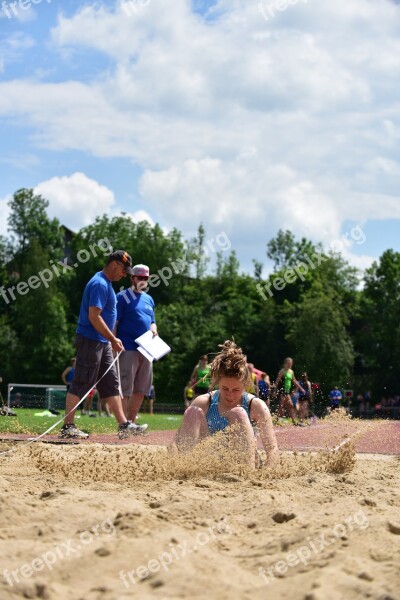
(95, 342)
(135, 316)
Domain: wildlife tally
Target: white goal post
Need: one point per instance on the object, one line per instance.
(34, 395)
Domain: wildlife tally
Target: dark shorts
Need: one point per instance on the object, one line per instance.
(92, 360)
(200, 390)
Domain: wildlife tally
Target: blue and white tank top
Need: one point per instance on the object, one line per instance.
(217, 422)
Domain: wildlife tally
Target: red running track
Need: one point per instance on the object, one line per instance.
(372, 437)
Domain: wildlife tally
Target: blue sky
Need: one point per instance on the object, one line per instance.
(245, 116)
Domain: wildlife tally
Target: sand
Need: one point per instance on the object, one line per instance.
(97, 522)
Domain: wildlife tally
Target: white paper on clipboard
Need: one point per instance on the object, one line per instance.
(145, 353)
(152, 346)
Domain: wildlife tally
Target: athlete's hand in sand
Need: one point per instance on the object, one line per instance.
(117, 345)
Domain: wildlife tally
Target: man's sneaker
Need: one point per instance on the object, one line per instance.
(128, 429)
(72, 432)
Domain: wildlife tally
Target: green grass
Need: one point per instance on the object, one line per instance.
(26, 422)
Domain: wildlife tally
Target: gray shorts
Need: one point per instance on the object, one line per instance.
(92, 360)
(136, 373)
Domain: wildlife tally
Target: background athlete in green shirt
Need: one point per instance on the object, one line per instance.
(200, 378)
(286, 375)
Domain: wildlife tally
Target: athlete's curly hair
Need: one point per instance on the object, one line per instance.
(230, 362)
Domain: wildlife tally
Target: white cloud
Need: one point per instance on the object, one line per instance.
(12, 48)
(236, 121)
(136, 216)
(76, 200)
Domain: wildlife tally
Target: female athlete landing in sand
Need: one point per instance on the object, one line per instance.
(229, 405)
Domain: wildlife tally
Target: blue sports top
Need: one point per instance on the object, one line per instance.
(98, 292)
(215, 421)
(263, 389)
(135, 314)
(70, 375)
(306, 389)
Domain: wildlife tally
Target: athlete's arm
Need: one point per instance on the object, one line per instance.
(193, 377)
(202, 402)
(153, 329)
(298, 386)
(64, 375)
(277, 381)
(261, 415)
(99, 324)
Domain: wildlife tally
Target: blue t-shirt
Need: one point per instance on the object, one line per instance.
(98, 292)
(135, 314)
(334, 397)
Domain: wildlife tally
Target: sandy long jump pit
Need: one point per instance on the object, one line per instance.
(96, 521)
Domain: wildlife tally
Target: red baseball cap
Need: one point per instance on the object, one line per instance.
(141, 270)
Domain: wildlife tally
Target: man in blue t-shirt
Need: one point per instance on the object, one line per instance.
(335, 396)
(135, 316)
(95, 342)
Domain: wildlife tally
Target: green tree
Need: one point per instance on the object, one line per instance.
(318, 337)
(197, 253)
(286, 252)
(40, 323)
(28, 221)
(379, 335)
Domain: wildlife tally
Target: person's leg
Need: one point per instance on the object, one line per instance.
(88, 361)
(115, 405)
(88, 404)
(151, 406)
(70, 402)
(281, 406)
(293, 413)
(127, 367)
(108, 386)
(303, 413)
(142, 378)
(291, 408)
(243, 434)
(134, 404)
(193, 429)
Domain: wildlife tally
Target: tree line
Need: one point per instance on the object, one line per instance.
(343, 328)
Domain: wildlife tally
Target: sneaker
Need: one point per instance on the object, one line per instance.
(72, 431)
(128, 429)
